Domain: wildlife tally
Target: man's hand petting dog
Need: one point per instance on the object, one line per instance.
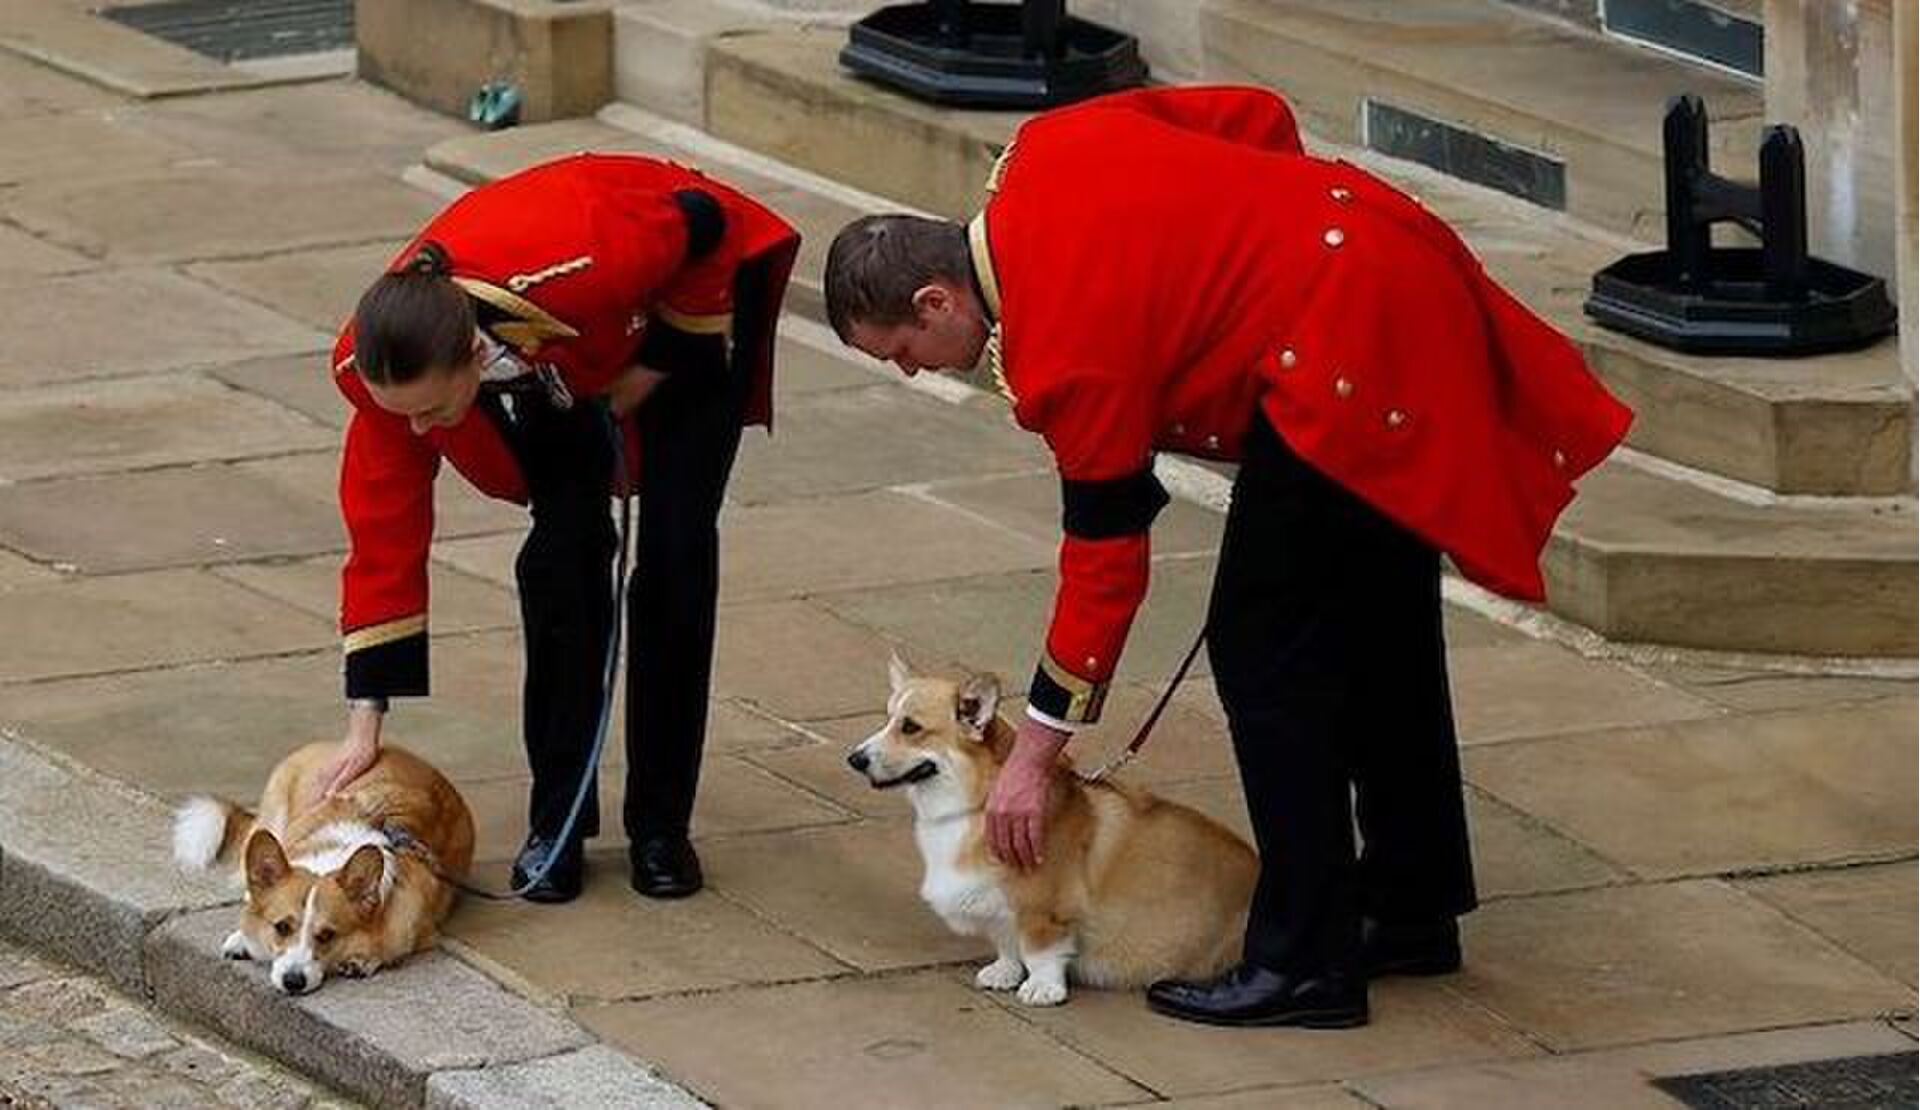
(1017, 807)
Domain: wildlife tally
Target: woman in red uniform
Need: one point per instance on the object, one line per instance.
(531, 323)
(1167, 270)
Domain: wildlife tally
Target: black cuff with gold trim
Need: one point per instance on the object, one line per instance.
(671, 350)
(396, 668)
(1065, 696)
(1111, 507)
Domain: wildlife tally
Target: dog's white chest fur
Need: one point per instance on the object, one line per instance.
(967, 898)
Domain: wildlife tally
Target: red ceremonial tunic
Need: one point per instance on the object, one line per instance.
(584, 257)
(1164, 263)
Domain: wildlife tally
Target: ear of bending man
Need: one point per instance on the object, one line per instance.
(531, 323)
(1167, 270)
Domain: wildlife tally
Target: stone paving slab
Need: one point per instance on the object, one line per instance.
(28, 88)
(22, 255)
(637, 947)
(218, 212)
(853, 440)
(184, 516)
(756, 643)
(851, 1043)
(1748, 691)
(1030, 503)
(77, 865)
(380, 1038)
(1627, 964)
(1619, 1079)
(596, 1078)
(1414, 1024)
(292, 129)
(1708, 797)
(997, 622)
(460, 602)
(1866, 910)
(81, 146)
(1308, 1097)
(75, 41)
(138, 423)
(1512, 853)
(135, 321)
(16, 571)
(225, 725)
(801, 369)
(299, 382)
(1536, 688)
(319, 288)
(853, 891)
(135, 621)
(735, 797)
(826, 544)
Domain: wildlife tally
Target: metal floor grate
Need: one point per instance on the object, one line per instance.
(1850, 1083)
(242, 30)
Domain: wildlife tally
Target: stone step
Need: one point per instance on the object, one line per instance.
(1499, 95)
(1839, 425)
(1642, 556)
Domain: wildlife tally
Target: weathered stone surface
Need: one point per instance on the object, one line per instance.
(1866, 910)
(300, 382)
(291, 129)
(1030, 503)
(129, 622)
(22, 254)
(128, 424)
(754, 642)
(640, 946)
(184, 516)
(1808, 787)
(318, 288)
(459, 602)
(855, 440)
(134, 320)
(78, 146)
(857, 1042)
(1627, 964)
(596, 1078)
(15, 571)
(70, 38)
(219, 212)
(852, 891)
(85, 866)
(30, 89)
(1618, 1079)
(1532, 688)
(437, 52)
(379, 1038)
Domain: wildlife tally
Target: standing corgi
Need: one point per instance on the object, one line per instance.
(1132, 888)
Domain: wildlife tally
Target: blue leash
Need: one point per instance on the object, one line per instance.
(405, 841)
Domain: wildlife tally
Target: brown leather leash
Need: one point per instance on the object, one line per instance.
(1146, 727)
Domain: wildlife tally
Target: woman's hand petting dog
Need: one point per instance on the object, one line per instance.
(1017, 806)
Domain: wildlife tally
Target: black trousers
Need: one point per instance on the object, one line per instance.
(689, 434)
(1324, 632)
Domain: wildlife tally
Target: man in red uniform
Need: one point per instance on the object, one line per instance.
(1167, 270)
(502, 340)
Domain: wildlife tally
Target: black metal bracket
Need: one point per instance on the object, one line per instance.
(1027, 55)
(1773, 300)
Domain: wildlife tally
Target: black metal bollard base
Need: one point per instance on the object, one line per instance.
(1030, 55)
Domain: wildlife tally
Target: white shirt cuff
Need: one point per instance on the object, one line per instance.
(1051, 721)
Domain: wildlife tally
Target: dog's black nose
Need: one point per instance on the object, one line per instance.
(293, 982)
(857, 760)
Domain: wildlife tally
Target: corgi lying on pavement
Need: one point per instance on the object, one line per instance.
(344, 887)
(1132, 888)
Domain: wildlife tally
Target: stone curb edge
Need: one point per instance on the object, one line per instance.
(87, 876)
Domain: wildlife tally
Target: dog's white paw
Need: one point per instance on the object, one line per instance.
(1000, 975)
(1042, 992)
(355, 969)
(235, 946)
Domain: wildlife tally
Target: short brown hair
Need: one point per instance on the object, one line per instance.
(412, 320)
(877, 263)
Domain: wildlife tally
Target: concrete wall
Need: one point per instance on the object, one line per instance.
(1906, 31)
(438, 52)
(1830, 72)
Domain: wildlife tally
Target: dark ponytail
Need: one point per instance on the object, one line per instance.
(412, 320)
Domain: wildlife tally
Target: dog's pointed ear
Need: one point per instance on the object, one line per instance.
(360, 879)
(977, 702)
(267, 863)
(898, 673)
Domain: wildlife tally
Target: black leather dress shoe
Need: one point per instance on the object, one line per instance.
(1409, 948)
(1248, 995)
(665, 867)
(562, 881)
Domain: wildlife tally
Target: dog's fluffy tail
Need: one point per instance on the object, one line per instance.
(208, 830)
